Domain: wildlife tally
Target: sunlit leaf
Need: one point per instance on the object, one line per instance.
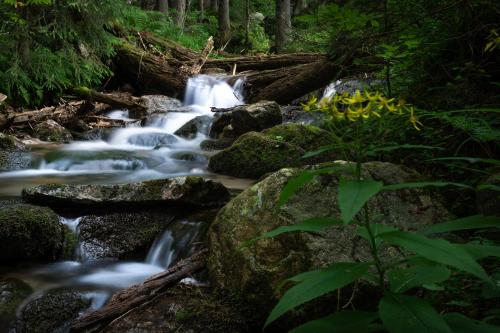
(341, 322)
(437, 250)
(317, 284)
(353, 195)
(408, 314)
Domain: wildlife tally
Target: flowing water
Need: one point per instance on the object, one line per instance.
(129, 154)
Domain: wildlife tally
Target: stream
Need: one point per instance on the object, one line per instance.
(124, 155)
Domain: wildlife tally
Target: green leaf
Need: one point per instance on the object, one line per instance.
(317, 284)
(403, 186)
(320, 151)
(466, 223)
(462, 324)
(341, 322)
(353, 195)
(376, 229)
(408, 314)
(437, 250)
(404, 146)
(403, 279)
(315, 224)
(479, 251)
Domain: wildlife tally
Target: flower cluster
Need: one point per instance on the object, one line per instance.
(360, 106)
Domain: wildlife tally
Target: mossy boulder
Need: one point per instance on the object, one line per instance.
(254, 273)
(254, 154)
(50, 130)
(52, 312)
(183, 309)
(171, 192)
(120, 235)
(14, 154)
(216, 144)
(29, 233)
(12, 293)
(233, 122)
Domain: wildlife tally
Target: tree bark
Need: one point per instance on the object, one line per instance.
(134, 296)
(214, 5)
(283, 24)
(162, 6)
(201, 8)
(224, 24)
(300, 6)
(180, 16)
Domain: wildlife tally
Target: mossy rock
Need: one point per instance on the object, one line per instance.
(307, 137)
(255, 272)
(190, 130)
(29, 233)
(12, 293)
(50, 130)
(52, 312)
(183, 309)
(253, 155)
(216, 144)
(14, 154)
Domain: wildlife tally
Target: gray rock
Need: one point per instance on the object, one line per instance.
(256, 272)
(120, 235)
(179, 191)
(52, 312)
(14, 155)
(233, 122)
(200, 124)
(152, 139)
(51, 131)
(29, 233)
(156, 103)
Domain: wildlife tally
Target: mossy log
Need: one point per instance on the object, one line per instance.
(134, 296)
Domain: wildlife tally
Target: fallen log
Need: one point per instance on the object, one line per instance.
(62, 114)
(119, 100)
(132, 297)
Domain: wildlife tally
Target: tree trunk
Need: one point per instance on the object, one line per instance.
(180, 18)
(300, 6)
(214, 5)
(224, 24)
(247, 24)
(162, 6)
(283, 24)
(201, 8)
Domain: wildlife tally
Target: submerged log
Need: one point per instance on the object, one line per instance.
(134, 296)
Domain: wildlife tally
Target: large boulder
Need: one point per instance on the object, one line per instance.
(190, 130)
(255, 154)
(120, 235)
(255, 272)
(12, 293)
(156, 103)
(29, 233)
(14, 154)
(50, 130)
(179, 191)
(183, 309)
(52, 312)
(233, 122)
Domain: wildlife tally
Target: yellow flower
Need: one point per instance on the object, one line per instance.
(356, 98)
(414, 120)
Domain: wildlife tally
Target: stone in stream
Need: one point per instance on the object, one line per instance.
(171, 192)
(152, 139)
(12, 293)
(255, 272)
(50, 130)
(120, 235)
(255, 154)
(199, 124)
(156, 103)
(29, 233)
(183, 309)
(14, 155)
(52, 312)
(233, 122)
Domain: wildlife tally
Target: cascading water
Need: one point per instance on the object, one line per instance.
(133, 153)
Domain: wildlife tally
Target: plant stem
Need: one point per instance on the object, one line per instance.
(373, 244)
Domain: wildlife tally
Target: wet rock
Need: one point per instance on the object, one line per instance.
(178, 191)
(14, 155)
(200, 124)
(216, 144)
(120, 235)
(156, 103)
(183, 309)
(488, 196)
(233, 122)
(51, 131)
(256, 271)
(255, 154)
(190, 157)
(152, 139)
(12, 294)
(29, 233)
(96, 134)
(52, 312)
(296, 114)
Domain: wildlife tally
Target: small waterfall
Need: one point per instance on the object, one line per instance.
(161, 252)
(210, 91)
